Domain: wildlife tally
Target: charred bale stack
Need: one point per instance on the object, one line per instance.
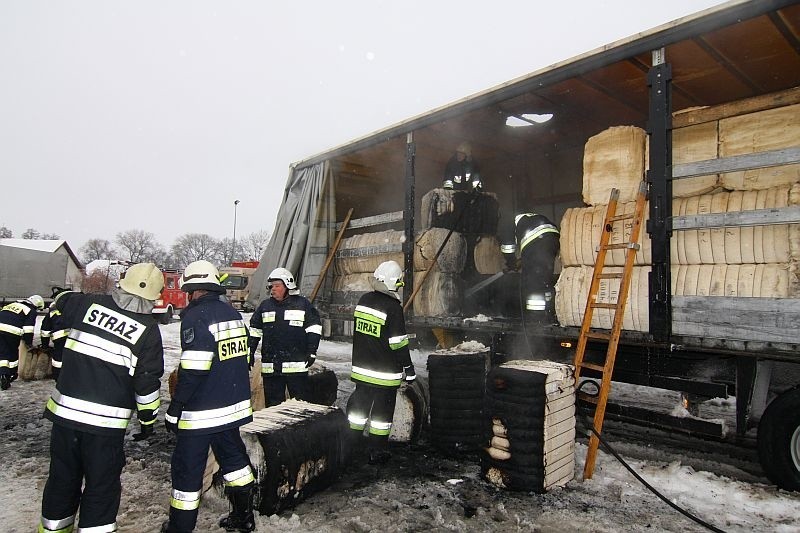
(530, 409)
(457, 378)
(297, 449)
(441, 208)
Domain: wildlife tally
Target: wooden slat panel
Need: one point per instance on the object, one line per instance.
(740, 107)
(772, 158)
(757, 319)
(756, 217)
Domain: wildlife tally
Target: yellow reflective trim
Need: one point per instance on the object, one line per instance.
(86, 418)
(10, 329)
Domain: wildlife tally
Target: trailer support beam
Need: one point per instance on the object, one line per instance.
(659, 179)
(408, 217)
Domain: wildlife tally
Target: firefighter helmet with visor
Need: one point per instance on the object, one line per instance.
(200, 275)
(282, 274)
(390, 274)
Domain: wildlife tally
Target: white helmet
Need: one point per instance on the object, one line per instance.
(390, 274)
(200, 275)
(37, 301)
(144, 280)
(283, 275)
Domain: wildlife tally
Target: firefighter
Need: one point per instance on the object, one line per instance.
(533, 249)
(17, 321)
(381, 360)
(289, 329)
(54, 327)
(113, 365)
(461, 172)
(211, 402)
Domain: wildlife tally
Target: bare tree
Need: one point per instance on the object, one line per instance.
(96, 249)
(6, 233)
(98, 282)
(31, 234)
(254, 245)
(139, 245)
(195, 246)
(50, 236)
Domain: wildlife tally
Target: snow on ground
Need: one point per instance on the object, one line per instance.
(420, 489)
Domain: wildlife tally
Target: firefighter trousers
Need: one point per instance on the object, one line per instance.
(373, 408)
(189, 463)
(275, 386)
(76, 456)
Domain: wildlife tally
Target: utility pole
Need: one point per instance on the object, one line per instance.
(233, 248)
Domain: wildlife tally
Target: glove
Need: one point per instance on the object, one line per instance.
(411, 375)
(311, 358)
(145, 432)
(55, 371)
(251, 360)
(45, 345)
(172, 416)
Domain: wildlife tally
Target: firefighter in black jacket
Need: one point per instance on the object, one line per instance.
(289, 327)
(381, 360)
(113, 363)
(54, 327)
(17, 321)
(461, 173)
(535, 242)
(211, 402)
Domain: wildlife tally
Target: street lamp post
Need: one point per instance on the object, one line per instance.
(233, 250)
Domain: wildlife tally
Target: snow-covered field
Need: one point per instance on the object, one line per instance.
(420, 489)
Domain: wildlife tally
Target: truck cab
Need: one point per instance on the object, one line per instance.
(172, 299)
(237, 283)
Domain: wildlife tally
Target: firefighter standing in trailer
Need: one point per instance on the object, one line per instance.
(289, 329)
(381, 360)
(535, 242)
(17, 321)
(211, 402)
(113, 366)
(55, 328)
(461, 173)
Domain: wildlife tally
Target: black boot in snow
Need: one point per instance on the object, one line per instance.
(241, 516)
(5, 381)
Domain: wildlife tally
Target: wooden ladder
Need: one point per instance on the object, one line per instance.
(618, 307)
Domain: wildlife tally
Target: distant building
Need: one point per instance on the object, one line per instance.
(29, 266)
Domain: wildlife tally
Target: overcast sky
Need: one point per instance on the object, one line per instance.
(157, 115)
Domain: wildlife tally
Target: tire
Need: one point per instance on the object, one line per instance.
(779, 440)
(166, 317)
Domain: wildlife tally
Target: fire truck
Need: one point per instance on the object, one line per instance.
(237, 283)
(172, 299)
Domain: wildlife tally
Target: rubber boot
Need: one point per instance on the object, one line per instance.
(241, 516)
(378, 447)
(5, 381)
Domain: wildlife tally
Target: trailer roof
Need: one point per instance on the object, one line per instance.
(737, 50)
(41, 245)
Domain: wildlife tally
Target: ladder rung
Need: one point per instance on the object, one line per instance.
(610, 275)
(604, 306)
(593, 366)
(622, 246)
(598, 335)
(624, 216)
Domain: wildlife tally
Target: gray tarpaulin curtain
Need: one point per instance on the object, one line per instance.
(304, 231)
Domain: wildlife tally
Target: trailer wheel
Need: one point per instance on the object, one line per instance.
(779, 440)
(167, 316)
